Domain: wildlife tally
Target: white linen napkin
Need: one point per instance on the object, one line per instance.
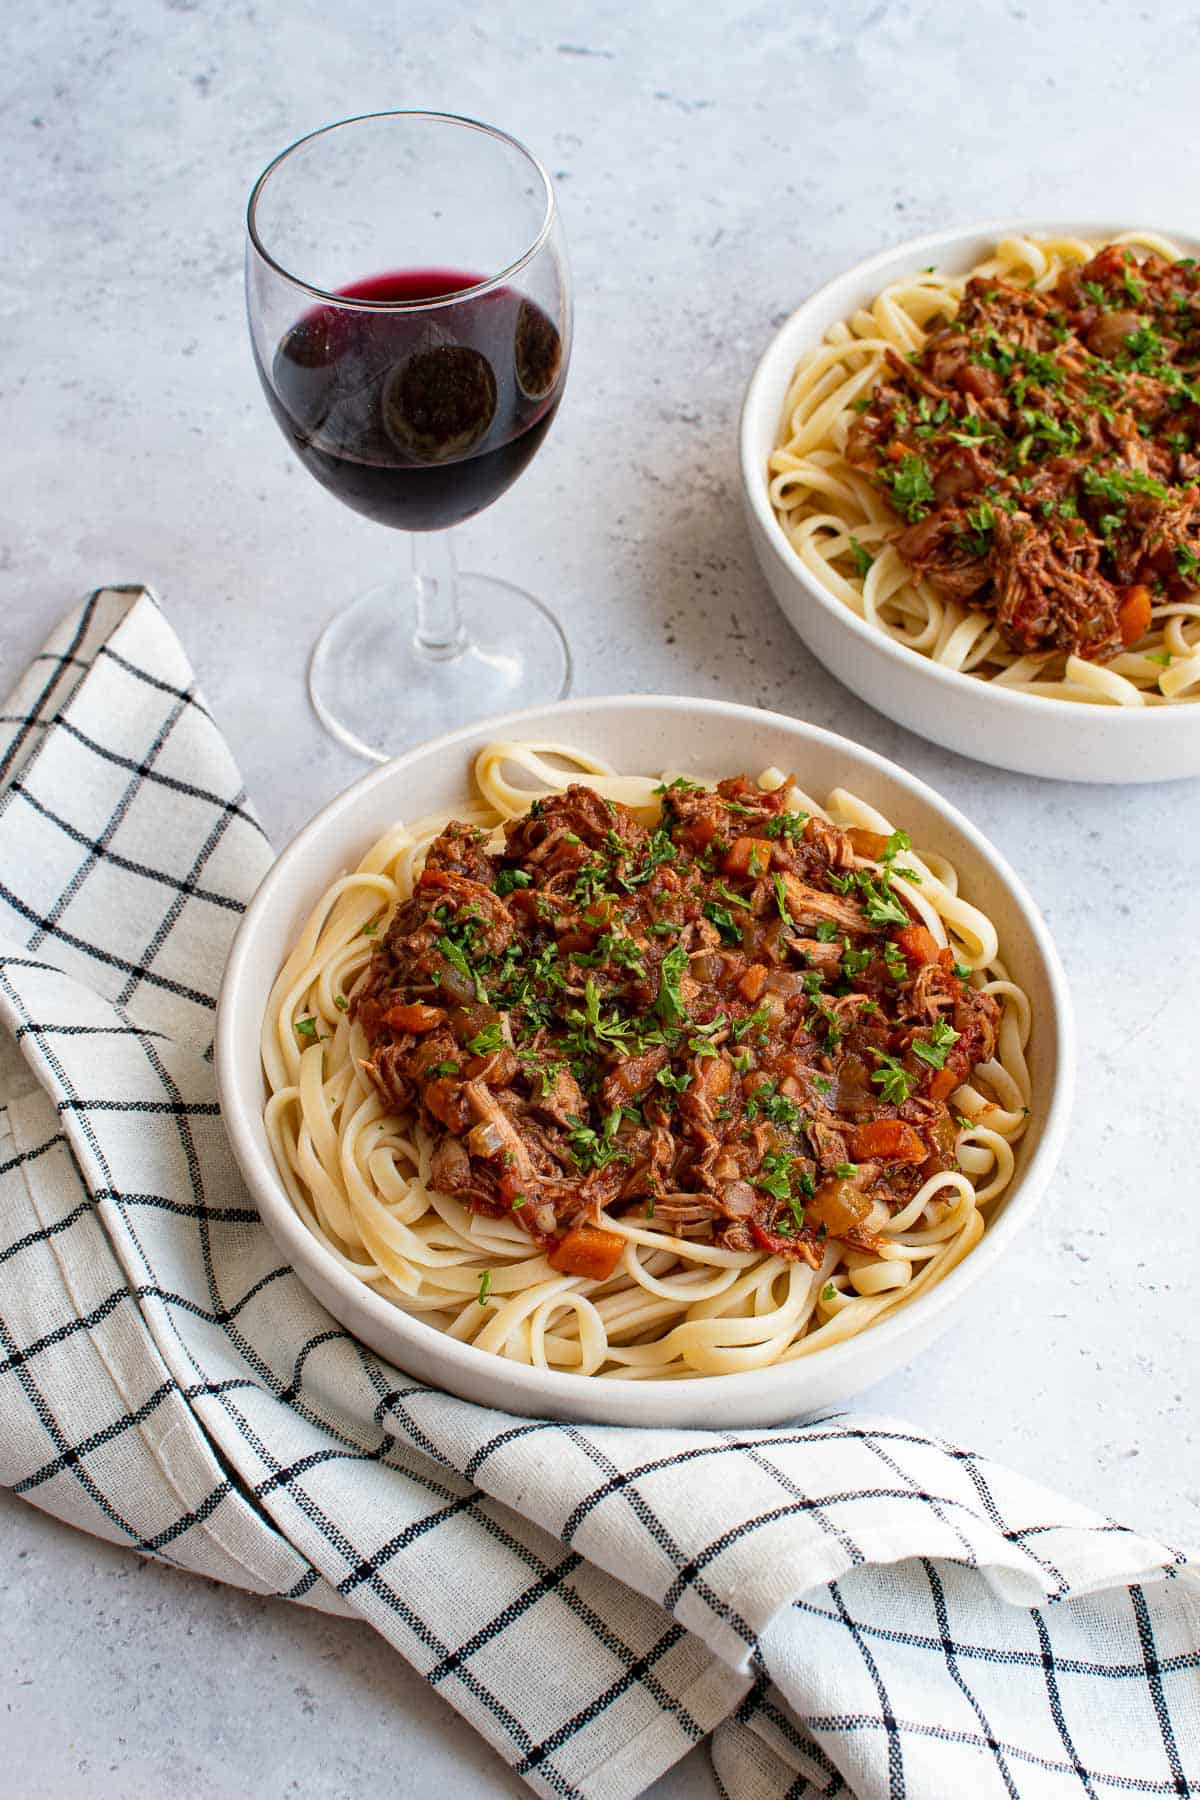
(847, 1605)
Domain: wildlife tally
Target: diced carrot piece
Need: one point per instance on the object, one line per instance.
(753, 982)
(947, 959)
(700, 831)
(587, 1251)
(888, 1140)
(1133, 614)
(943, 1082)
(867, 843)
(417, 1017)
(1107, 262)
(896, 451)
(745, 851)
(918, 944)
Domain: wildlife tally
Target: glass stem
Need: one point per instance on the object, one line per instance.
(439, 634)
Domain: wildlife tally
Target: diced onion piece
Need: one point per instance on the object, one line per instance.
(486, 1138)
(837, 1205)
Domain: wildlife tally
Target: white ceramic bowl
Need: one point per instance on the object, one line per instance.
(1073, 741)
(636, 733)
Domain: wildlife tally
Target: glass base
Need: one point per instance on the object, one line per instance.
(379, 692)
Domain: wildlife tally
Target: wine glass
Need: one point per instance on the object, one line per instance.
(410, 312)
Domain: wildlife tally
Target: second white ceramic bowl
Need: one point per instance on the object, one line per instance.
(638, 733)
(1075, 742)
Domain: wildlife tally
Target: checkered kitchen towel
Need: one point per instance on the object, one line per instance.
(848, 1606)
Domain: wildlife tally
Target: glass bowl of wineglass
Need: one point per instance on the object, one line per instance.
(410, 313)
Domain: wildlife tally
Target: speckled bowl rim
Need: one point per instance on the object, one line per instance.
(766, 380)
(241, 1090)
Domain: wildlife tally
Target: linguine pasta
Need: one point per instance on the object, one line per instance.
(359, 1174)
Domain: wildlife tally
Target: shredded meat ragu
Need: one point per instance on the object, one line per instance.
(1044, 451)
(752, 1048)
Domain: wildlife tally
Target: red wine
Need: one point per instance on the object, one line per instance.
(418, 419)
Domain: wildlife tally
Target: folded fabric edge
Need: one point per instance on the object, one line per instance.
(749, 1765)
(71, 648)
(1106, 1555)
(30, 1121)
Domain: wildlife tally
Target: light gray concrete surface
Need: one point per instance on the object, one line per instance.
(715, 163)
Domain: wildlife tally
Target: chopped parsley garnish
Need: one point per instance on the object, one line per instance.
(785, 825)
(485, 1286)
(724, 921)
(773, 1106)
(508, 879)
(592, 1028)
(894, 961)
(881, 905)
(593, 1149)
(932, 1048)
(454, 955)
(661, 850)
(911, 484)
(728, 894)
(862, 559)
(484, 1042)
(306, 1028)
(893, 1080)
(1187, 562)
(775, 1175)
(854, 961)
(754, 1021)
(669, 1006)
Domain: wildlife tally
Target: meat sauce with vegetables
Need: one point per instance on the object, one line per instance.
(1044, 449)
(731, 1025)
